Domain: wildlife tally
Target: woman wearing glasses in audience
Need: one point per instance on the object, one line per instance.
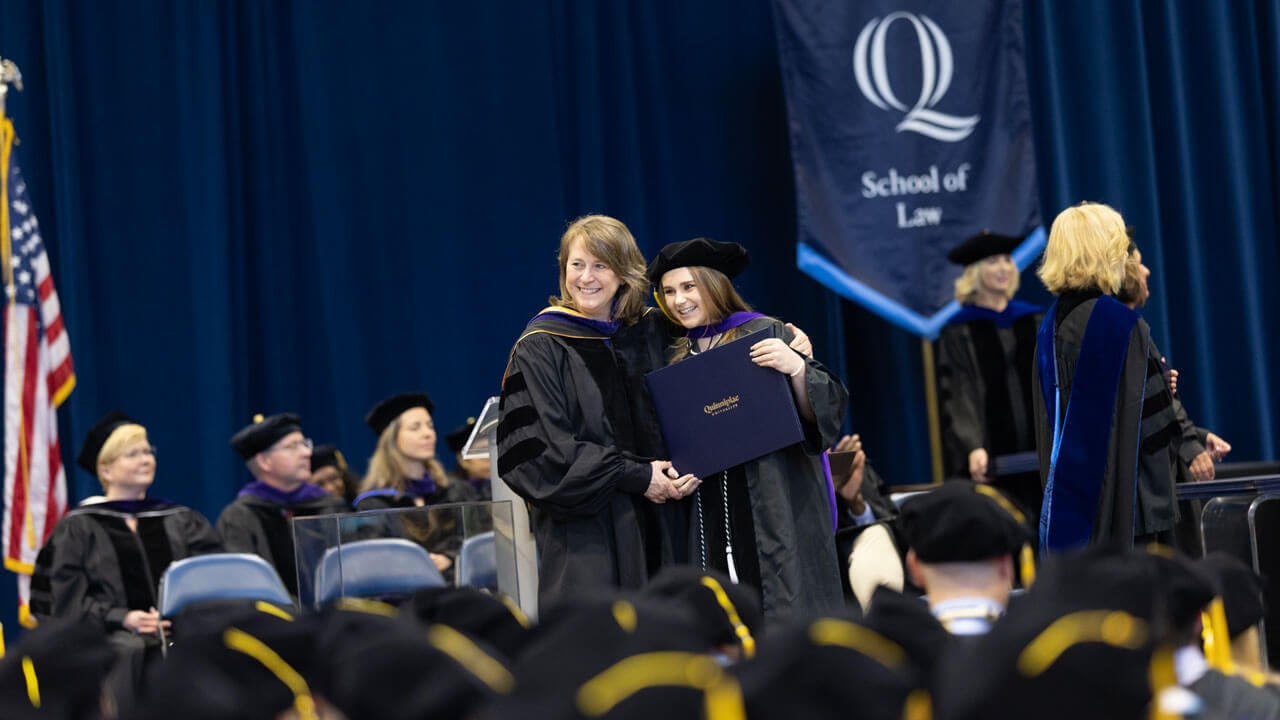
(103, 562)
(404, 473)
(767, 522)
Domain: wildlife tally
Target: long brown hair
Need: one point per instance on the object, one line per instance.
(610, 241)
(719, 300)
(386, 467)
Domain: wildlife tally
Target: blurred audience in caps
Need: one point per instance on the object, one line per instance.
(475, 471)
(278, 457)
(1089, 640)
(1242, 593)
(968, 542)
(404, 472)
(869, 546)
(757, 521)
(102, 563)
(1199, 633)
(984, 357)
(832, 668)
(591, 638)
(492, 619)
(330, 471)
(58, 671)
(726, 614)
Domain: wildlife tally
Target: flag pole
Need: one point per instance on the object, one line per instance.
(9, 75)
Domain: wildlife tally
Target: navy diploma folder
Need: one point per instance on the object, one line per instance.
(718, 409)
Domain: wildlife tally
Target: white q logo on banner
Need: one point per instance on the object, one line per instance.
(936, 69)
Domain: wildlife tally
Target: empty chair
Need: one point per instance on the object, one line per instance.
(373, 568)
(478, 562)
(219, 576)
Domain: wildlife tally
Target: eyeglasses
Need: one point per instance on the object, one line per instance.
(134, 454)
(295, 446)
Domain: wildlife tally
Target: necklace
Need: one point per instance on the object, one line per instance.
(693, 344)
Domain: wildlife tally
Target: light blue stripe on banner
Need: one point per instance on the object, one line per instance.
(824, 271)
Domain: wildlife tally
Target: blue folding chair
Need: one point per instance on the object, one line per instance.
(478, 562)
(374, 568)
(219, 576)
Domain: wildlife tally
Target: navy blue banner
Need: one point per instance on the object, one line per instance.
(910, 131)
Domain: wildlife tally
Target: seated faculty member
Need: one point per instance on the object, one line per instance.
(278, 456)
(103, 561)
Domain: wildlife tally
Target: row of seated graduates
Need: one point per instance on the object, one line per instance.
(1101, 633)
(104, 560)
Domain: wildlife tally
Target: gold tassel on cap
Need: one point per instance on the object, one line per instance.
(1027, 565)
(1217, 641)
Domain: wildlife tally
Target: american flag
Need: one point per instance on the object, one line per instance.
(38, 376)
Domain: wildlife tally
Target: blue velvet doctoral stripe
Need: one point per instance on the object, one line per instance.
(1082, 436)
(1004, 318)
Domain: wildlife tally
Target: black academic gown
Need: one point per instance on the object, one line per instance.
(985, 391)
(1135, 502)
(790, 506)
(575, 441)
(438, 531)
(254, 525)
(94, 568)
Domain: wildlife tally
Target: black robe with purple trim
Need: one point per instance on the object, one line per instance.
(575, 440)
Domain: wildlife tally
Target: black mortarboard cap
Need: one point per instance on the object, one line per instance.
(61, 665)
(725, 612)
(457, 437)
(477, 613)
(1186, 587)
(829, 668)
(438, 673)
(97, 437)
(262, 433)
(324, 456)
(256, 666)
(1241, 590)
(907, 621)
(388, 410)
(729, 258)
(1082, 642)
(963, 521)
(982, 246)
(584, 635)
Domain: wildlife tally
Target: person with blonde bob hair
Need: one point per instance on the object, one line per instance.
(1107, 451)
(984, 370)
(103, 562)
(761, 522)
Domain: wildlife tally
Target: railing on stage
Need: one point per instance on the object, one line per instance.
(389, 552)
(1241, 517)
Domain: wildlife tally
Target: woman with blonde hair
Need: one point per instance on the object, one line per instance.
(103, 562)
(763, 522)
(984, 369)
(404, 471)
(1106, 461)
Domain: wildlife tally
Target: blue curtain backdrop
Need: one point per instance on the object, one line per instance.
(267, 206)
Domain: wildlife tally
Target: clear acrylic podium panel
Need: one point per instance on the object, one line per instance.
(334, 559)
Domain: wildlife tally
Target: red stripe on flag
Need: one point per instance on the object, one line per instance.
(55, 329)
(46, 288)
(53, 510)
